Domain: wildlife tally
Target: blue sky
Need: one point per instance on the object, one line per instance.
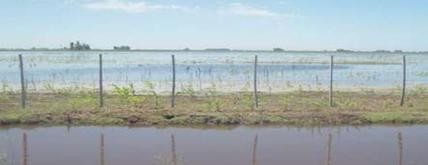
(198, 24)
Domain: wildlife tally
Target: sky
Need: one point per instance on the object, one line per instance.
(200, 24)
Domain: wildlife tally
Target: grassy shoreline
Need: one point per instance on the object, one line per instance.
(292, 108)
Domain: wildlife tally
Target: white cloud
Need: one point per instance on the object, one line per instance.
(130, 7)
(245, 10)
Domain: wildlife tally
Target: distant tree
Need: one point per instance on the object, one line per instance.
(218, 49)
(79, 46)
(343, 50)
(121, 48)
(278, 50)
(382, 51)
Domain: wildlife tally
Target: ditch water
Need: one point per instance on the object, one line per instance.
(377, 145)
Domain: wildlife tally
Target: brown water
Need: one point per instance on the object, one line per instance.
(371, 145)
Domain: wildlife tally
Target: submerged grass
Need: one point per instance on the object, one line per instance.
(124, 107)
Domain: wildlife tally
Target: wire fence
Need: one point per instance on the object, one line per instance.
(35, 75)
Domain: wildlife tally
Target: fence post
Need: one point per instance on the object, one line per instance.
(101, 80)
(256, 97)
(23, 89)
(173, 82)
(331, 81)
(403, 91)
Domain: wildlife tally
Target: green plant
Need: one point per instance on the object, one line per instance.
(152, 92)
(6, 89)
(6, 92)
(247, 97)
(214, 103)
(189, 90)
(83, 99)
(49, 87)
(419, 90)
(286, 102)
(127, 95)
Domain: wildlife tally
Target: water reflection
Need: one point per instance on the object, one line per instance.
(329, 149)
(254, 160)
(400, 148)
(102, 161)
(174, 155)
(24, 149)
(52, 146)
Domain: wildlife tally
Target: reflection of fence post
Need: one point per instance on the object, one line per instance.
(254, 160)
(331, 81)
(256, 97)
(400, 148)
(174, 155)
(101, 80)
(173, 82)
(330, 138)
(102, 162)
(23, 89)
(403, 92)
(24, 149)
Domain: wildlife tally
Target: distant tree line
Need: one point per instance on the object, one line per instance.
(79, 46)
(278, 50)
(121, 48)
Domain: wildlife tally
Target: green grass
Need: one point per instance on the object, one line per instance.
(124, 107)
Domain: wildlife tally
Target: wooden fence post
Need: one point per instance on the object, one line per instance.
(331, 81)
(101, 80)
(256, 97)
(23, 88)
(403, 91)
(173, 82)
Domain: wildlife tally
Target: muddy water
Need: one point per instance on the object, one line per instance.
(377, 145)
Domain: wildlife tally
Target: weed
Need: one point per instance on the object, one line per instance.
(49, 87)
(83, 99)
(6, 89)
(127, 95)
(152, 92)
(214, 103)
(189, 90)
(419, 90)
(286, 102)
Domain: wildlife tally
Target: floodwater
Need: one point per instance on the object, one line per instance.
(198, 71)
(377, 145)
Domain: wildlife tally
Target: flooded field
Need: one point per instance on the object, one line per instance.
(198, 71)
(380, 145)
